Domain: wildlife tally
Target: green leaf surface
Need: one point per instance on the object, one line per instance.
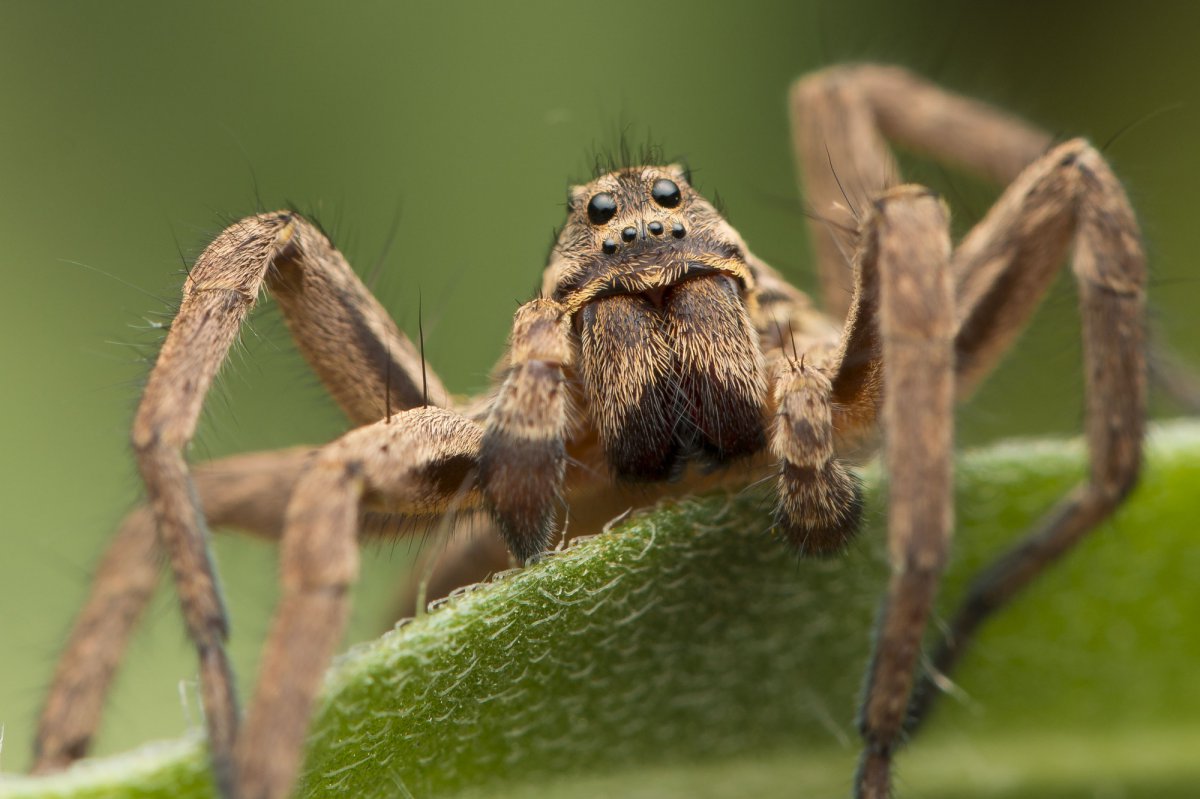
(688, 653)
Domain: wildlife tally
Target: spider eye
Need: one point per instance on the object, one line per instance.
(665, 193)
(601, 208)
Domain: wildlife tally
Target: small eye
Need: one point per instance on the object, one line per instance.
(601, 208)
(665, 193)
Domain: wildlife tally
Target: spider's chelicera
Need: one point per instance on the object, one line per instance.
(659, 341)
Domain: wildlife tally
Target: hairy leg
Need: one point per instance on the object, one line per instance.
(248, 492)
(907, 228)
(841, 117)
(419, 462)
(1068, 198)
(373, 367)
(1002, 269)
(844, 164)
(121, 588)
(820, 500)
(423, 463)
(824, 391)
(523, 457)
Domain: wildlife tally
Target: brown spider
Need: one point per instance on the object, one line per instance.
(659, 341)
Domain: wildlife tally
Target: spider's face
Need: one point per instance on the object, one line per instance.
(655, 281)
(641, 231)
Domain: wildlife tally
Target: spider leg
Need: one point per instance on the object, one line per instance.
(424, 462)
(246, 491)
(420, 462)
(365, 362)
(843, 163)
(820, 500)
(523, 456)
(1069, 197)
(840, 118)
(522, 461)
(121, 588)
(907, 240)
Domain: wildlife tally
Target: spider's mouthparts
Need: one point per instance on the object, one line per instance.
(656, 295)
(654, 280)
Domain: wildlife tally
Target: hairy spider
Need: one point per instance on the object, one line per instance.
(658, 342)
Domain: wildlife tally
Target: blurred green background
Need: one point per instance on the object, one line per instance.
(129, 131)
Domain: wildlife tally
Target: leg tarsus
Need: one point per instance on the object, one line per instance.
(217, 684)
(184, 536)
(349, 341)
(820, 510)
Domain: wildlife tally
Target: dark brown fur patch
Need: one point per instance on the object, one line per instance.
(520, 479)
(448, 476)
(686, 378)
(719, 369)
(626, 363)
(820, 508)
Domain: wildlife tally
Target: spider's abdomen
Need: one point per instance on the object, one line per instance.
(672, 375)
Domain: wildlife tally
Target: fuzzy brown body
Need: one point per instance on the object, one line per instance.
(655, 345)
(662, 357)
(667, 359)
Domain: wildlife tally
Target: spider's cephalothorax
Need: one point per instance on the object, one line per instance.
(658, 339)
(646, 325)
(656, 282)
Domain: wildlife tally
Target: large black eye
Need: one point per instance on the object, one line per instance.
(601, 208)
(665, 193)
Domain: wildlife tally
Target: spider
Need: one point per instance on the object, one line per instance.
(660, 347)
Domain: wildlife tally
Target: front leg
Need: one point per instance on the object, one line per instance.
(831, 393)
(523, 457)
(247, 492)
(820, 500)
(522, 461)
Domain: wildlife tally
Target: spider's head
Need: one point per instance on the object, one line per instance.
(640, 230)
(656, 283)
